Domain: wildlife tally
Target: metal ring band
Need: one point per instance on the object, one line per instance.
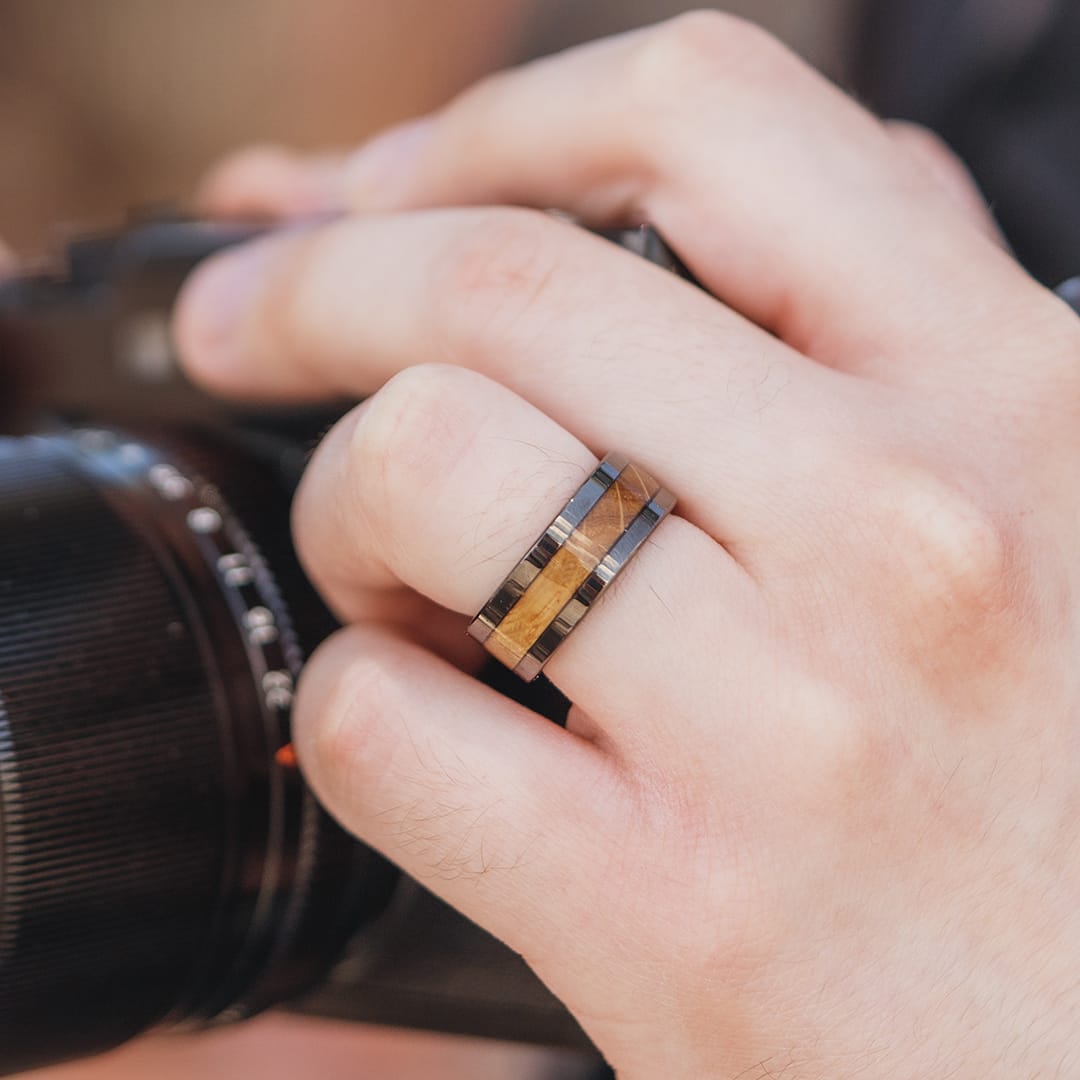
(579, 554)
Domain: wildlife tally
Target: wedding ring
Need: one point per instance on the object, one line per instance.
(565, 572)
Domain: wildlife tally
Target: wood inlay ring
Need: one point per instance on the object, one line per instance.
(566, 570)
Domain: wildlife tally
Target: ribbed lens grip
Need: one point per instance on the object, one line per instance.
(111, 771)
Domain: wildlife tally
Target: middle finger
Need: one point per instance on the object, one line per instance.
(614, 349)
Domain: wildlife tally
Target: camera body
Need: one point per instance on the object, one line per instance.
(89, 340)
(161, 863)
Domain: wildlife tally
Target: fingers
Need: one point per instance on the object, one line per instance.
(275, 182)
(270, 182)
(498, 811)
(444, 480)
(615, 350)
(948, 172)
(789, 201)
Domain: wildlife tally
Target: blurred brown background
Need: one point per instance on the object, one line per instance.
(105, 104)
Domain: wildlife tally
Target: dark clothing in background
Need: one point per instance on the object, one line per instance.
(1000, 81)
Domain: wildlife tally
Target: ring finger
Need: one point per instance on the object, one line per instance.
(442, 482)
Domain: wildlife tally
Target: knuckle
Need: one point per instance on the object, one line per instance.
(698, 49)
(950, 544)
(359, 685)
(921, 139)
(948, 549)
(836, 753)
(496, 270)
(931, 159)
(415, 427)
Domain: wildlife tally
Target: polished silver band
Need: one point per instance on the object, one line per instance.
(557, 534)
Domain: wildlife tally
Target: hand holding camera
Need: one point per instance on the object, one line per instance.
(815, 799)
(813, 804)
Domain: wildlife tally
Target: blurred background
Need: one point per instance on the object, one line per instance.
(107, 104)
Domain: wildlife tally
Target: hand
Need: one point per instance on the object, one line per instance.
(816, 809)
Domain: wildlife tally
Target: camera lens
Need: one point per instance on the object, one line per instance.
(160, 861)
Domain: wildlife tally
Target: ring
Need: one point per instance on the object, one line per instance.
(548, 593)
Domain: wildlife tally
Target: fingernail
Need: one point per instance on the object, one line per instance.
(377, 175)
(214, 305)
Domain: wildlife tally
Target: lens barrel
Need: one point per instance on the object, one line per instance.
(158, 864)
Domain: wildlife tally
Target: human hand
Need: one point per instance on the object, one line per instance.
(815, 810)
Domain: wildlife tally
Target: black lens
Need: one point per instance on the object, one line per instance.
(159, 861)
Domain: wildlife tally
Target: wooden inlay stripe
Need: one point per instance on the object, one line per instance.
(568, 569)
(557, 533)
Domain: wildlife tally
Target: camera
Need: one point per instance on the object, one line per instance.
(162, 863)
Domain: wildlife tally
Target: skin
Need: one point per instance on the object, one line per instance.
(815, 811)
